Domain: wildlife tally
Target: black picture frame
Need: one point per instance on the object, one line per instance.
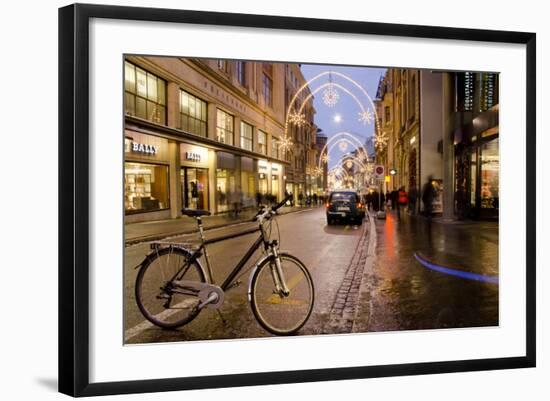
(74, 198)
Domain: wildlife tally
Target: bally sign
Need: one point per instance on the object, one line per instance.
(193, 156)
(144, 148)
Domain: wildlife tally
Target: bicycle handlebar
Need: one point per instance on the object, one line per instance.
(272, 210)
(281, 204)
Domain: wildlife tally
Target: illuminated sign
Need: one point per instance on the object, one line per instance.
(144, 148)
(193, 156)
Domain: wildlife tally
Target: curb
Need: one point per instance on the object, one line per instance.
(155, 237)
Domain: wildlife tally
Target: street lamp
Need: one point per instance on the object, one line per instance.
(393, 172)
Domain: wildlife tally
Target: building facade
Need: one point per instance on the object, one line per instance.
(476, 144)
(301, 159)
(398, 108)
(202, 134)
(442, 128)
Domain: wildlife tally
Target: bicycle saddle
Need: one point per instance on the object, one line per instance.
(195, 212)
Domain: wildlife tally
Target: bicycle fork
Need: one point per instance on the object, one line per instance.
(278, 275)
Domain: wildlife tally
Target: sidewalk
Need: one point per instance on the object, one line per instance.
(154, 230)
(470, 245)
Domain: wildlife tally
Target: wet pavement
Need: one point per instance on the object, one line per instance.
(399, 293)
(366, 278)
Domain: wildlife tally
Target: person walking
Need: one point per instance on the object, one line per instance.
(315, 200)
(375, 200)
(394, 195)
(401, 200)
(428, 195)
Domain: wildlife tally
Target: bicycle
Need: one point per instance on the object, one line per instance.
(172, 287)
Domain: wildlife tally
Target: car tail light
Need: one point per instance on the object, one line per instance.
(360, 205)
(328, 205)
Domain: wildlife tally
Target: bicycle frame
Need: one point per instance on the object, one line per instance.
(261, 240)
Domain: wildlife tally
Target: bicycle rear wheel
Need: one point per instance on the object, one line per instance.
(158, 300)
(279, 314)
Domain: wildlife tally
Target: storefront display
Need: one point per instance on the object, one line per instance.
(145, 187)
(489, 192)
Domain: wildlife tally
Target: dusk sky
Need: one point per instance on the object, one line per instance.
(346, 107)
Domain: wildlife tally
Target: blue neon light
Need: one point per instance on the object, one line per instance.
(457, 273)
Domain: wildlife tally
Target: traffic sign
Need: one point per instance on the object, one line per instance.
(379, 171)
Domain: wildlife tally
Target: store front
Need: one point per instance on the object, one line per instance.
(146, 176)
(477, 178)
(194, 177)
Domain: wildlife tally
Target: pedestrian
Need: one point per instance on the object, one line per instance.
(300, 199)
(413, 196)
(369, 201)
(394, 201)
(401, 200)
(235, 198)
(315, 200)
(375, 200)
(428, 195)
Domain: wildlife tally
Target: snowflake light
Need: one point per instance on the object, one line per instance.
(297, 119)
(380, 141)
(285, 144)
(325, 158)
(343, 146)
(366, 117)
(330, 96)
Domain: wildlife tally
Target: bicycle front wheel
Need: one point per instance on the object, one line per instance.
(278, 313)
(158, 299)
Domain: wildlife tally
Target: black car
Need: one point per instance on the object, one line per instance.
(345, 205)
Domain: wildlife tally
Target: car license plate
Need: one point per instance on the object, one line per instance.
(343, 209)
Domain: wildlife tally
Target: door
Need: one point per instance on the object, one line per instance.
(194, 184)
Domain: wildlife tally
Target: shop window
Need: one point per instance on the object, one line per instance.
(262, 142)
(192, 114)
(275, 186)
(144, 94)
(248, 187)
(246, 136)
(145, 187)
(224, 127)
(225, 188)
(490, 163)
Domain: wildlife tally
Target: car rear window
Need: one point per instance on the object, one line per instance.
(343, 196)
